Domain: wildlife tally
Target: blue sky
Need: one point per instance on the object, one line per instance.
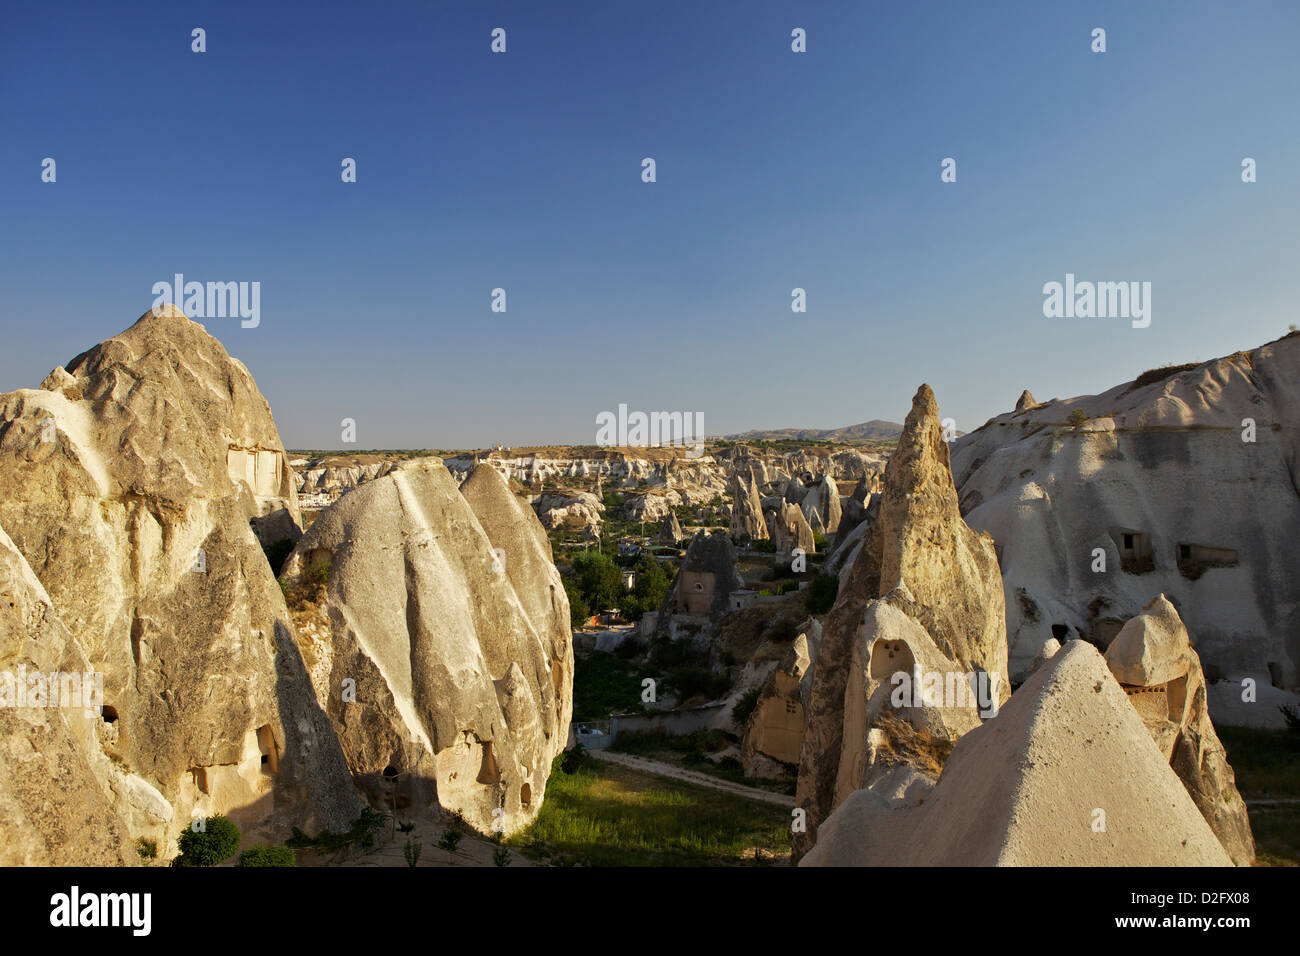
(775, 170)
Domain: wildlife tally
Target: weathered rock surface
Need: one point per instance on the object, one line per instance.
(55, 801)
(446, 610)
(1185, 481)
(1026, 788)
(774, 732)
(671, 531)
(746, 510)
(128, 484)
(790, 530)
(1153, 660)
(947, 608)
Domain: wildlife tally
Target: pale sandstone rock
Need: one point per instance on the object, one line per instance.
(746, 512)
(1153, 660)
(446, 610)
(55, 802)
(1164, 462)
(135, 516)
(1024, 789)
(919, 547)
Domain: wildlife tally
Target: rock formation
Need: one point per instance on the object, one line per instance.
(56, 800)
(1153, 660)
(944, 611)
(1025, 401)
(698, 596)
(746, 512)
(790, 530)
(131, 483)
(774, 732)
(1184, 482)
(1065, 775)
(445, 609)
(671, 532)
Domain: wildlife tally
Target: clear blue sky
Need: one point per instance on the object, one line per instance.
(775, 170)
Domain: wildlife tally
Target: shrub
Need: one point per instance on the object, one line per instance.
(450, 839)
(821, 594)
(217, 841)
(781, 630)
(1077, 417)
(501, 856)
(744, 707)
(575, 760)
(411, 851)
(148, 849)
(267, 856)
(276, 552)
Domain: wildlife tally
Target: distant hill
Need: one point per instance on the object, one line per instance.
(874, 430)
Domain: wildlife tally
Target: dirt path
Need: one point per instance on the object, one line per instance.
(693, 777)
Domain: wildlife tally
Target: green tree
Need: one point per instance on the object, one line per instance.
(598, 579)
(217, 841)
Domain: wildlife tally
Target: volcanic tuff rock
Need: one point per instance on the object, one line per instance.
(947, 583)
(774, 731)
(1153, 659)
(1180, 492)
(746, 510)
(790, 530)
(446, 610)
(671, 531)
(1025, 788)
(129, 483)
(55, 799)
(706, 579)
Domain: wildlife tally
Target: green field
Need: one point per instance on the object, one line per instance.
(1267, 767)
(606, 815)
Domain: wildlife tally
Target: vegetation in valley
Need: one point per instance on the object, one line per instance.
(608, 815)
(1266, 764)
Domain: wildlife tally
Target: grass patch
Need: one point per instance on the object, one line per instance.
(603, 684)
(1266, 764)
(606, 815)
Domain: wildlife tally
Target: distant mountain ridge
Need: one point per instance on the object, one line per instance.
(874, 430)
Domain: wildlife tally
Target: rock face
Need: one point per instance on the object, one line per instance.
(1153, 660)
(577, 510)
(1184, 481)
(671, 532)
(1025, 402)
(790, 530)
(944, 612)
(746, 511)
(131, 483)
(774, 732)
(55, 798)
(447, 612)
(1026, 789)
(698, 596)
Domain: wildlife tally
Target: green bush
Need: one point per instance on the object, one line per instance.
(742, 709)
(267, 856)
(276, 552)
(821, 593)
(148, 849)
(1077, 417)
(218, 841)
(575, 760)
